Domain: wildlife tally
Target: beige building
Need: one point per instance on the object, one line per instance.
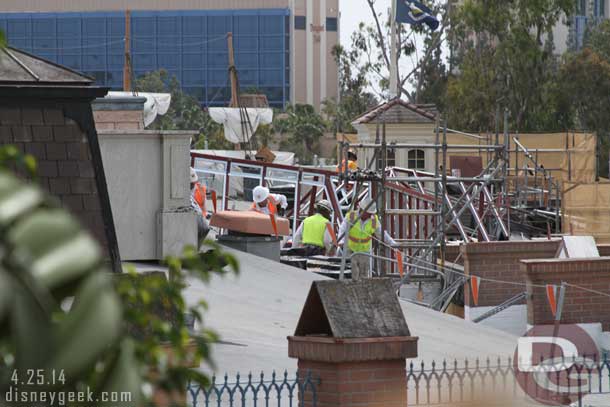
(308, 73)
(405, 123)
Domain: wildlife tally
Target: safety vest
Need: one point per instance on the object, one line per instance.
(314, 228)
(351, 166)
(199, 195)
(271, 205)
(360, 237)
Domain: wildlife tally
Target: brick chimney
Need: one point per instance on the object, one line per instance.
(501, 261)
(580, 307)
(353, 340)
(119, 113)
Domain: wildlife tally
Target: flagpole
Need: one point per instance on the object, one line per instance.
(393, 54)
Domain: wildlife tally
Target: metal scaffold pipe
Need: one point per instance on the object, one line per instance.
(428, 146)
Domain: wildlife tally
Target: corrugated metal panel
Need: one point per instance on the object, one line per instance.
(116, 5)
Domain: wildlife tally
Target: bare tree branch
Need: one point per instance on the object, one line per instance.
(380, 33)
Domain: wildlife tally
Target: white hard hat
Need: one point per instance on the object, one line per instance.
(324, 204)
(372, 208)
(194, 177)
(260, 193)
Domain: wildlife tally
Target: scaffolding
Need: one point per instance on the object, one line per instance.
(421, 210)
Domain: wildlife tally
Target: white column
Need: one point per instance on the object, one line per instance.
(323, 50)
(309, 51)
(293, 55)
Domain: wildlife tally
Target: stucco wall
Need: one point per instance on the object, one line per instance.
(147, 174)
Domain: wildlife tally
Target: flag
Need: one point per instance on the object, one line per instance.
(413, 12)
(475, 283)
(551, 295)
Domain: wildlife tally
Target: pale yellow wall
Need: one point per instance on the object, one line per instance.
(401, 134)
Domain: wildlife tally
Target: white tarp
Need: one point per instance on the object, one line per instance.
(156, 103)
(232, 118)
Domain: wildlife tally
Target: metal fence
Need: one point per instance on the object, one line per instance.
(496, 383)
(254, 391)
(447, 384)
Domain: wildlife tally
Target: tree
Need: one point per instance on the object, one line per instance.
(370, 52)
(354, 97)
(585, 85)
(599, 40)
(184, 112)
(505, 56)
(304, 127)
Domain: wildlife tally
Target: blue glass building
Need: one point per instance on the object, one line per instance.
(188, 44)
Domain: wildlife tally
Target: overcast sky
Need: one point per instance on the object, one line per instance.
(355, 11)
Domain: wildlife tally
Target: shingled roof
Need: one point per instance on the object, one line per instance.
(398, 111)
(18, 67)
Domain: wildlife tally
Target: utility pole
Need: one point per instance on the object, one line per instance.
(393, 54)
(127, 63)
(232, 72)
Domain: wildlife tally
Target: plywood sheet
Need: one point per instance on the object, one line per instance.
(249, 222)
(353, 309)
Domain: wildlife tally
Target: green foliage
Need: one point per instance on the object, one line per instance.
(303, 128)
(3, 41)
(369, 54)
(599, 40)
(585, 85)
(505, 56)
(355, 98)
(184, 112)
(46, 261)
(156, 311)
(61, 311)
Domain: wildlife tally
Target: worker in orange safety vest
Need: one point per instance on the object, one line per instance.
(198, 192)
(352, 162)
(266, 202)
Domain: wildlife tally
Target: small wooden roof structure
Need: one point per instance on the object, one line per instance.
(397, 111)
(352, 309)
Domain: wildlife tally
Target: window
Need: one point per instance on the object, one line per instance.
(390, 159)
(189, 44)
(598, 8)
(331, 24)
(416, 159)
(581, 7)
(300, 22)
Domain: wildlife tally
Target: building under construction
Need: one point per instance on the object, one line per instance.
(435, 188)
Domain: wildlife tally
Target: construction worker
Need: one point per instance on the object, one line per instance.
(199, 192)
(358, 228)
(198, 203)
(316, 232)
(352, 162)
(266, 202)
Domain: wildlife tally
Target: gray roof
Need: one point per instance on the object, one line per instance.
(397, 111)
(18, 67)
(255, 311)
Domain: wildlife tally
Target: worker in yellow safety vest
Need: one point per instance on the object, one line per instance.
(358, 228)
(316, 234)
(266, 202)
